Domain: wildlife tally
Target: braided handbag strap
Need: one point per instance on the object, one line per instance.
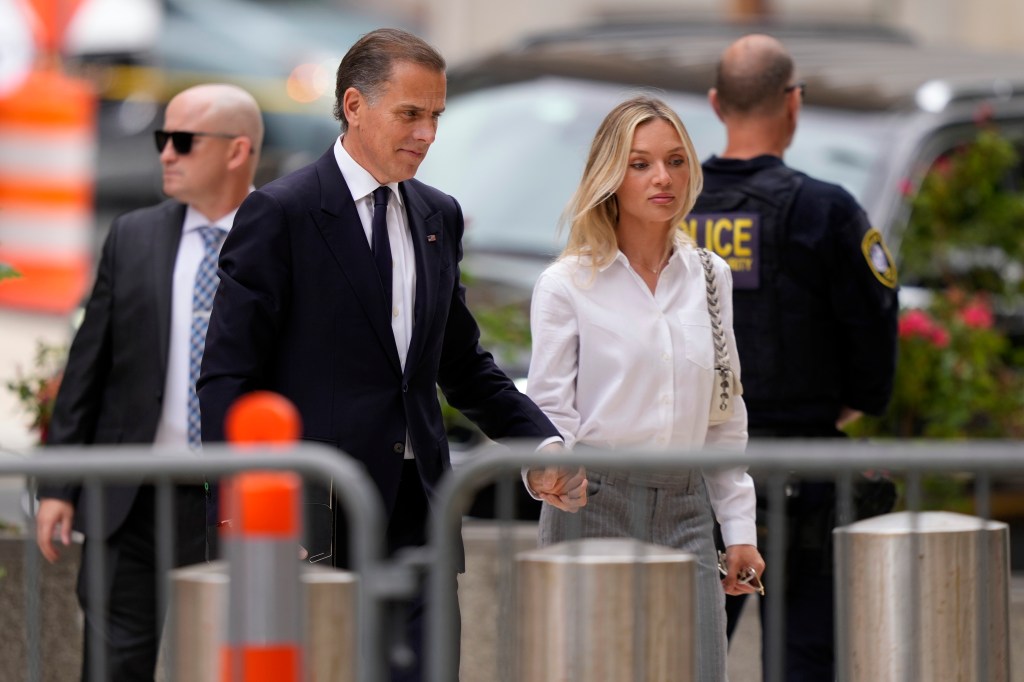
(717, 333)
(721, 407)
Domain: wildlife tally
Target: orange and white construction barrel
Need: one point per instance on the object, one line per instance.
(47, 171)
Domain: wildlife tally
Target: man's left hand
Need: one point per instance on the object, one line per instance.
(562, 488)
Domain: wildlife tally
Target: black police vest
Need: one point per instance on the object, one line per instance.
(774, 314)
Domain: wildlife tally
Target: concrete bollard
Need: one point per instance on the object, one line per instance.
(606, 610)
(199, 606)
(923, 598)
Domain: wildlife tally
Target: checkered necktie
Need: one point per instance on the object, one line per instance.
(202, 303)
(381, 243)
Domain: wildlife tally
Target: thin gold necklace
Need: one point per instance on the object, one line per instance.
(657, 271)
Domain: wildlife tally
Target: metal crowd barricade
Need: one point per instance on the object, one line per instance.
(383, 581)
(97, 466)
(838, 460)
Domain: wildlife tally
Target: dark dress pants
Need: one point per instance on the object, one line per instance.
(407, 527)
(133, 622)
(808, 602)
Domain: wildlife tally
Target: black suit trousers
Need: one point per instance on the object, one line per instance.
(126, 619)
(407, 527)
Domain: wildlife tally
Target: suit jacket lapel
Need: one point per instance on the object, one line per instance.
(166, 240)
(339, 224)
(427, 228)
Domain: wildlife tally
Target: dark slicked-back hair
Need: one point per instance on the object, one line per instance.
(746, 88)
(367, 65)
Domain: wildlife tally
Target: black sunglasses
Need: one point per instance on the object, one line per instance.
(182, 140)
(799, 85)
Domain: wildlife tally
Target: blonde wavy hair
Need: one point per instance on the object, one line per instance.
(593, 211)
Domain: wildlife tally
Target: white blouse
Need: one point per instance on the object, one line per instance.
(617, 366)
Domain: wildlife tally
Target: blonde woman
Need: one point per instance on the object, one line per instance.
(623, 359)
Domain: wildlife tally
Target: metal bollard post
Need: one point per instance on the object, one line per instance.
(923, 596)
(332, 633)
(199, 603)
(607, 610)
(199, 599)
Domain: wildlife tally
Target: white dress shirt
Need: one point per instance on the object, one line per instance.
(617, 366)
(403, 272)
(173, 426)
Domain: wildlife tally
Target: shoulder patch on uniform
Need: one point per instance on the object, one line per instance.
(878, 257)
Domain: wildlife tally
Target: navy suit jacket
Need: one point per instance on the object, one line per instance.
(300, 310)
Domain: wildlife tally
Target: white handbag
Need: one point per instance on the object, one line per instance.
(726, 384)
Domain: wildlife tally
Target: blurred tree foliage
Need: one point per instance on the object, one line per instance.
(36, 390)
(965, 225)
(6, 271)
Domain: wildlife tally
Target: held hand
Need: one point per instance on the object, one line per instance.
(53, 513)
(562, 488)
(740, 560)
(847, 415)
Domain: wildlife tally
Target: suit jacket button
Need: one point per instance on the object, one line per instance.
(405, 388)
(399, 448)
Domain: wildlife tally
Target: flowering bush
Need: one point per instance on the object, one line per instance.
(37, 391)
(957, 375)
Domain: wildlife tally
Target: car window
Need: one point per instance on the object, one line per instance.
(513, 154)
(838, 148)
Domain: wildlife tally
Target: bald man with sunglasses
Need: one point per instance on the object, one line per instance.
(131, 370)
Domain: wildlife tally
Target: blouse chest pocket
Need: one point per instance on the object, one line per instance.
(697, 341)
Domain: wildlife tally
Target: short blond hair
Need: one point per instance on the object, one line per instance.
(593, 211)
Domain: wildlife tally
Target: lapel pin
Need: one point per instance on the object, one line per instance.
(431, 237)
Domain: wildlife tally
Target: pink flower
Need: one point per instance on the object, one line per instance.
(906, 188)
(977, 315)
(916, 324)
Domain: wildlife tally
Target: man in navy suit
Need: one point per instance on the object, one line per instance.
(340, 290)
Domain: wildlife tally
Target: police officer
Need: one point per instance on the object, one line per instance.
(815, 314)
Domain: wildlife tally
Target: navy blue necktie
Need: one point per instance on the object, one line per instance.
(381, 243)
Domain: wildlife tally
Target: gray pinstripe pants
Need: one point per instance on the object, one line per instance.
(664, 509)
